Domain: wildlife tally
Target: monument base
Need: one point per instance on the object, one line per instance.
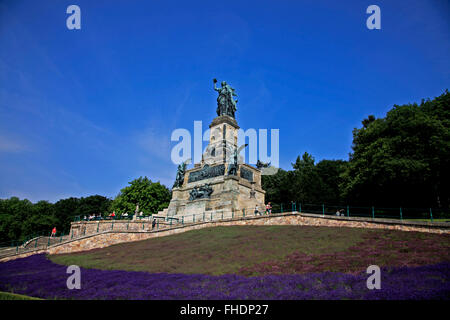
(221, 185)
(231, 195)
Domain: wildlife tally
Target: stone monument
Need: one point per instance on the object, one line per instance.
(221, 184)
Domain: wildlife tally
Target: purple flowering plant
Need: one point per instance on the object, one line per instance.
(37, 276)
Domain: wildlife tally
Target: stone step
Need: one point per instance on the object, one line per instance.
(162, 213)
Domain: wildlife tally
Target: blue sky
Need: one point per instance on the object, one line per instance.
(85, 111)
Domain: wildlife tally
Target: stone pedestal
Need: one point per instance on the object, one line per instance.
(231, 192)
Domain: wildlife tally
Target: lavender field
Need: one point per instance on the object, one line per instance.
(37, 276)
(246, 262)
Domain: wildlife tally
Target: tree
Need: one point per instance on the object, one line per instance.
(278, 187)
(93, 205)
(402, 159)
(41, 219)
(21, 219)
(67, 209)
(65, 212)
(13, 213)
(330, 173)
(306, 182)
(151, 197)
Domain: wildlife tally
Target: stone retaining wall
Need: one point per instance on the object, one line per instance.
(119, 235)
(83, 228)
(124, 231)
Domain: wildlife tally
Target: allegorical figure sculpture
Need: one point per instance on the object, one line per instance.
(201, 192)
(260, 164)
(226, 105)
(180, 174)
(233, 164)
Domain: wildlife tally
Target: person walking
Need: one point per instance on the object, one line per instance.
(153, 223)
(268, 208)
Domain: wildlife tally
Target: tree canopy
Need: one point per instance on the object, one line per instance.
(21, 218)
(308, 182)
(401, 159)
(151, 197)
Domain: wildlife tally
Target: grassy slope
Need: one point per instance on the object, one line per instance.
(247, 250)
(15, 296)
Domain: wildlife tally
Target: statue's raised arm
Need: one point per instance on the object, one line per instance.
(215, 88)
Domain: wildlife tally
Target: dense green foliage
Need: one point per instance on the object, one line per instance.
(308, 182)
(404, 158)
(21, 218)
(399, 160)
(151, 197)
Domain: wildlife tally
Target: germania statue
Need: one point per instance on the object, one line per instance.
(226, 105)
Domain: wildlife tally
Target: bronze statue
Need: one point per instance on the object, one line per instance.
(179, 180)
(201, 192)
(233, 166)
(226, 105)
(260, 164)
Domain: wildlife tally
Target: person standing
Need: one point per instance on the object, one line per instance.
(268, 208)
(53, 232)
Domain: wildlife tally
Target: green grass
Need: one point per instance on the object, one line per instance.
(217, 250)
(15, 296)
(253, 250)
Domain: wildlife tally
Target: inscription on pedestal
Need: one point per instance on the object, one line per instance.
(246, 174)
(207, 172)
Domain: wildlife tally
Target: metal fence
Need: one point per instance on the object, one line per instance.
(44, 240)
(116, 217)
(37, 241)
(401, 213)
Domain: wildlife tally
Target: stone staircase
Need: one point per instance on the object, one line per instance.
(162, 214)
(35, 244)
